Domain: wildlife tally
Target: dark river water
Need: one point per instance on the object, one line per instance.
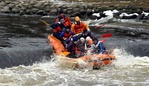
(25, 55)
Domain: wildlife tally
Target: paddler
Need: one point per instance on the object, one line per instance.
(79, 26)
(71, 46)
(65, 35)
(88, 43)
(86, 33)
(98, 46)
(58, 28)
(81, 47)
(61, 15)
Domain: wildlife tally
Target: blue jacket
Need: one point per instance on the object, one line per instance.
(66, 34)
(100, 47)
(88, 34)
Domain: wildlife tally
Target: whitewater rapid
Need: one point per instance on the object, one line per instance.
(127, 69)
(24, 42)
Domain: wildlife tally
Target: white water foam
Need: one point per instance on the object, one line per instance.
(53, 73)
(125, 59)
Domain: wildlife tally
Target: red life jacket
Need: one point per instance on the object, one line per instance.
(66, 18)
(67, 35)
(58, 29)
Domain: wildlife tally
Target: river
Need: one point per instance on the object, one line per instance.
(25, 55)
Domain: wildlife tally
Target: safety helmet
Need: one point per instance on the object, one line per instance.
(82, 39)
(77, 18)
(88, 38)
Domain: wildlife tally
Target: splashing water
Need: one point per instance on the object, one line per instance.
(54, 73)
(124, 59)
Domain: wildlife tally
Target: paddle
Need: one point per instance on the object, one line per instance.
(44, 22)
(107, 35)
(65, 53)
(99, 26)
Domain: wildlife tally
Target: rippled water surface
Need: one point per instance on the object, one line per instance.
(25, 55)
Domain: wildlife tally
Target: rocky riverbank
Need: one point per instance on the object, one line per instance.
(51, 7)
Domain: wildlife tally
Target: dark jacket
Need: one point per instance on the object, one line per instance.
(81, 46)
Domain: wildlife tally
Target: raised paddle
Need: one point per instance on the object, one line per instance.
(44, 22)
(107, 35)
(99, 26)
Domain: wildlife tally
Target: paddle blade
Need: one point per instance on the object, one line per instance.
(99, 26)
(44, 22)
(103, 41)
(106, 35)
(65, 53)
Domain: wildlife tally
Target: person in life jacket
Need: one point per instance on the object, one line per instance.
(79, 26)
(88, 43)
(72, 47)
(65, 35)
(61, 15)
(81, 47)
(98, 46)
(58, 28)
(86, 33)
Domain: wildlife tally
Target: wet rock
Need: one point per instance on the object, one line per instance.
(5, 10)
(43, 7)
(40, 12)
(28, 12)
(75, 14)
(21, 12)
(82, 11)
(75, 9)
(89, 12)
(34, 10)
(15, 10)
(2, 4)
(53, 11)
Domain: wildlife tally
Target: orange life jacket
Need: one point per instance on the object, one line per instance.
(78, 28)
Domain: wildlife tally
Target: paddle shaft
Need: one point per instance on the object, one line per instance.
(44, 22)
(99, 26)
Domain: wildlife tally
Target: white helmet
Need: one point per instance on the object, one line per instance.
(88, 38)
(82, 39)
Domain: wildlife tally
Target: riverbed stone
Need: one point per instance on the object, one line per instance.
(21, 12)
(53, 11)
(15, 10)
(40, 12)
(89, 12)
(5, 10)
(28, 12)
(34, 10)
(43, 7)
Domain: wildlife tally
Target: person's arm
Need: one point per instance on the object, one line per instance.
(97, 44)
(62, 35)
(92, 46)
(86, 26)
(72, 28)
(91, 35)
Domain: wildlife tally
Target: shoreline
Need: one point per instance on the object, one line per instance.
(46, 7)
